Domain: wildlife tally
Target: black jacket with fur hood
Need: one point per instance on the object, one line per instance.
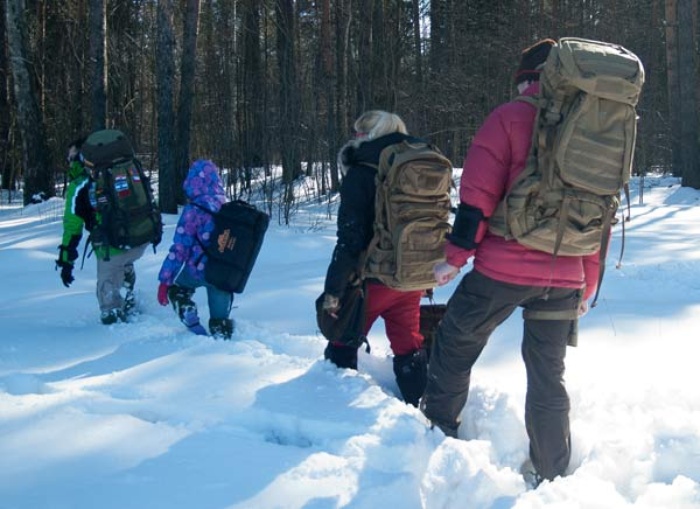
(358, 160)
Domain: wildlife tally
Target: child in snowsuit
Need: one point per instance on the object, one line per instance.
(182, 271)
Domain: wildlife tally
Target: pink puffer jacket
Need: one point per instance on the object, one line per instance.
(497, 155)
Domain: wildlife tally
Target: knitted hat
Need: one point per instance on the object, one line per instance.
(531, 58)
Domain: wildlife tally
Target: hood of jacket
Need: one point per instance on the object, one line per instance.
(364, 151)
(204, 183)
(76, 170)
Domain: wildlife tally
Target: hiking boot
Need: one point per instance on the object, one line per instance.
(342, 356)
(129, 278)
(112, 316)
(129, 307)
(221, 328)
(411, 372)
(186, 308)
(183, 305)
(530, 475)
(450, 430)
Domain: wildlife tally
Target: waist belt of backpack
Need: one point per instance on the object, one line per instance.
(564, 314)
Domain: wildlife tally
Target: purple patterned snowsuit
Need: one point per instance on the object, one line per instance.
(184, 264)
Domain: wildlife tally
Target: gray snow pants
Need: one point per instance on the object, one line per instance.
(477, 307)
(110, 277)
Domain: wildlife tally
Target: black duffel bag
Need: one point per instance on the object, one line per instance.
(348, 327)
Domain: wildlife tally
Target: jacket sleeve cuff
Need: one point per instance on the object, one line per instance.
(588, 292)
(457, 256)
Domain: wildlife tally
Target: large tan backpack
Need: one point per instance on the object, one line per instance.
(565, 200)
(412, 207)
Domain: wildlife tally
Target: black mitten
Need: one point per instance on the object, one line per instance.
(66, 272)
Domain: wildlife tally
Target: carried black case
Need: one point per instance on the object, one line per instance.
(236, 241)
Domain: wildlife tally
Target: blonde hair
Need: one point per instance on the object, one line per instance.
(376, 123)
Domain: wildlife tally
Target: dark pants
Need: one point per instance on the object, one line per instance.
(477, 307)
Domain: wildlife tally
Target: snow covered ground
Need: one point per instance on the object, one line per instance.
(147, 415)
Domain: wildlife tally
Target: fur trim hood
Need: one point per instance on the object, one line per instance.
(366, 151)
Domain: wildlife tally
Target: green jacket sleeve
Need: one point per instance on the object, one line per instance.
(73, 222)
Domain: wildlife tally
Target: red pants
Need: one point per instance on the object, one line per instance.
(401, 314)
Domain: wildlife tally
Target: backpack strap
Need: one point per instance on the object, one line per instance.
(202, 207)
(604, 242)
(85, 249)
(199, 241)
(528, 99)
(498, 222)
(626, 189)
(155, 213)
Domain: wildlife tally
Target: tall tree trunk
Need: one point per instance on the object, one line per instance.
(365, 85)
(687, 77)
(343, 19)
(289, 94)
(251, 125)
(673, 83)
(417, 50)
(7, 175)
(187, 74)
(98, 63)
(37, 174)
(438, 36)
(169, 183)
(327, 89)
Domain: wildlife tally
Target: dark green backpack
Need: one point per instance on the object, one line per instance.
(127, 215)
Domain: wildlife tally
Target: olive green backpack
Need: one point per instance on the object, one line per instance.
(566, 199)
(127, 213)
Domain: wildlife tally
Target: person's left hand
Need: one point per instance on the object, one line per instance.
(444, 273)
(66, 272)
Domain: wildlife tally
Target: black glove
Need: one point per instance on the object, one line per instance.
(66, 272)
(68, 254)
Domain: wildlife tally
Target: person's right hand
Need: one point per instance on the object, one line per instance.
(444, 273)
(163, 294)
(331, 305)
(583, 308)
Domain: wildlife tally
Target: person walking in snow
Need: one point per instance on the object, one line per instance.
(115, 267)
(182, 271)
(400, 310)
(553, 291)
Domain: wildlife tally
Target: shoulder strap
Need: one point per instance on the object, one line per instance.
(203, 208)
(196, 237)
(501, 211)
(528, 99)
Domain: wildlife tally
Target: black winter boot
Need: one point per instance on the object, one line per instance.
(184, 306)
(411, 372)
(342, 356)
(221, 328)
(128, 284)
(112, 316)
